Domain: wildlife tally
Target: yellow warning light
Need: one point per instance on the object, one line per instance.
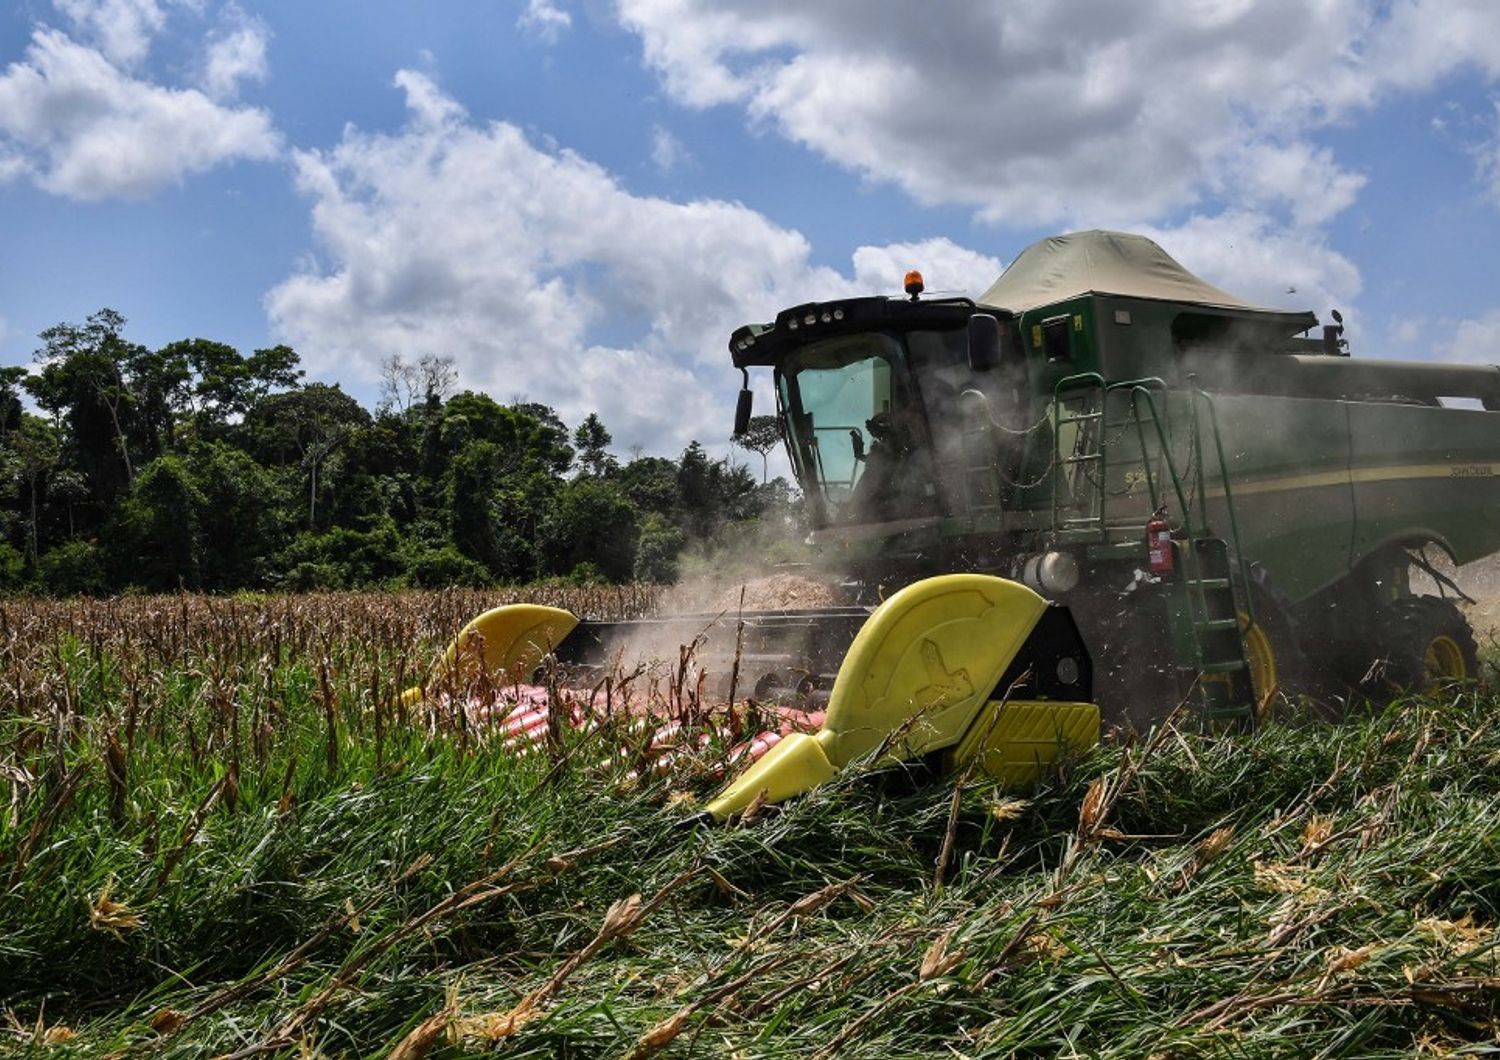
(914, 284)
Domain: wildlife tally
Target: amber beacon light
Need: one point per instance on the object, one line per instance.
(914, 284)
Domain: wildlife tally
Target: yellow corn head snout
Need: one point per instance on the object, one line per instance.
(917, 679)
(513, 640)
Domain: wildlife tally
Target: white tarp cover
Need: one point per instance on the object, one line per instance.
(1098, 262)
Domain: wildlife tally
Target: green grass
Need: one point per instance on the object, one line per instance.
(1308, 890)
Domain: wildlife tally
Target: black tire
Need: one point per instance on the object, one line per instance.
(1420, 643)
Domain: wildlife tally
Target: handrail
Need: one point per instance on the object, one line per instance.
(1234, 522)
(1138, 390)
(1094, 380)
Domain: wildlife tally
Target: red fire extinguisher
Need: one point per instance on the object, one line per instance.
(1159, 543)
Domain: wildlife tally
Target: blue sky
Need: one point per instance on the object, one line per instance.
(579, 199)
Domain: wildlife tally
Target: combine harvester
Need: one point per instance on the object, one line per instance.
(1105, 486)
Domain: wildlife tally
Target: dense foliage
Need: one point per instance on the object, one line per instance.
(223, 832)
(195, 466)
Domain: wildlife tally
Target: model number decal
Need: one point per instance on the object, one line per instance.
(1471, 471)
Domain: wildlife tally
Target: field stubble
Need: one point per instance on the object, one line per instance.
(222, 832)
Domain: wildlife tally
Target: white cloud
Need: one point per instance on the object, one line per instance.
(667, 152)
(1069, 111)
(122, 29)
(1487, 155)
(452, 237)
(81, 128)
(1297, 176)
(544, 19)
(1405, 331)
(236, 55)
(1416, 42)
(1249, 254)
(945, 266)
(1474, 341)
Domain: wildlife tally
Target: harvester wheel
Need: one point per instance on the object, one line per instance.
(1425, 642)
(1278, 668)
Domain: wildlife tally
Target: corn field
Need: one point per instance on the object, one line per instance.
(223, 833)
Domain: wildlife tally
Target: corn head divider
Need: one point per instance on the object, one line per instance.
(963, 667)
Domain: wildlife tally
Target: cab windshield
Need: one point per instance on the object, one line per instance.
(854, 430)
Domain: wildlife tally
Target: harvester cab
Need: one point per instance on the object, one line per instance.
(1106, 482)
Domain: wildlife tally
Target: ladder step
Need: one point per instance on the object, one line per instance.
(1209, 583)
(1080, 418)
(1214, 624)
(1233, 667)
(1088, 459)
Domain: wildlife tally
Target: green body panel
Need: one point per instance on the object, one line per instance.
(1320, 483)
(1424, 473)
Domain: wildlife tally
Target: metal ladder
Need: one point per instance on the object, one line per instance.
(1093, 454)
(1203, 603)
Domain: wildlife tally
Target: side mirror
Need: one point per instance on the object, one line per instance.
(742, 413)
(984, 343)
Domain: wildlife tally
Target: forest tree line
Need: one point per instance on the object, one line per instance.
(195, 466)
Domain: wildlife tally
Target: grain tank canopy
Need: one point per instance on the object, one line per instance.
(865, 388)
(1120, 305)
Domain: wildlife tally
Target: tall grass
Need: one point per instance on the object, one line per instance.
(220, 833)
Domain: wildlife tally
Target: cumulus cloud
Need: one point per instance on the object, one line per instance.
(1486, 155)
(667, 152)
(453, 237)
(1475, 341)
(80, 127)
(1069, 111)
(1251, 255)
(1305, 180)
(235, 55)
(122, 29)
(946, 267)
(544, 19)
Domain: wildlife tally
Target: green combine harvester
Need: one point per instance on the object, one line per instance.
(1103, 489)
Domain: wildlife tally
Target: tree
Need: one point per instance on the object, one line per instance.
(11, 378)
(590, 522)
(159, 533)
(650, 484)
(88, 363)
(592, 441)
(399, 385)
(158, 383)
(72, 489)
(657, 548)
(711, 492)
(472, 481)
(547, 433)
(761, 435)
(273, 368)
(222, 385)
(35, 452)
(238, 518)
(436, 377)
(311, 421)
